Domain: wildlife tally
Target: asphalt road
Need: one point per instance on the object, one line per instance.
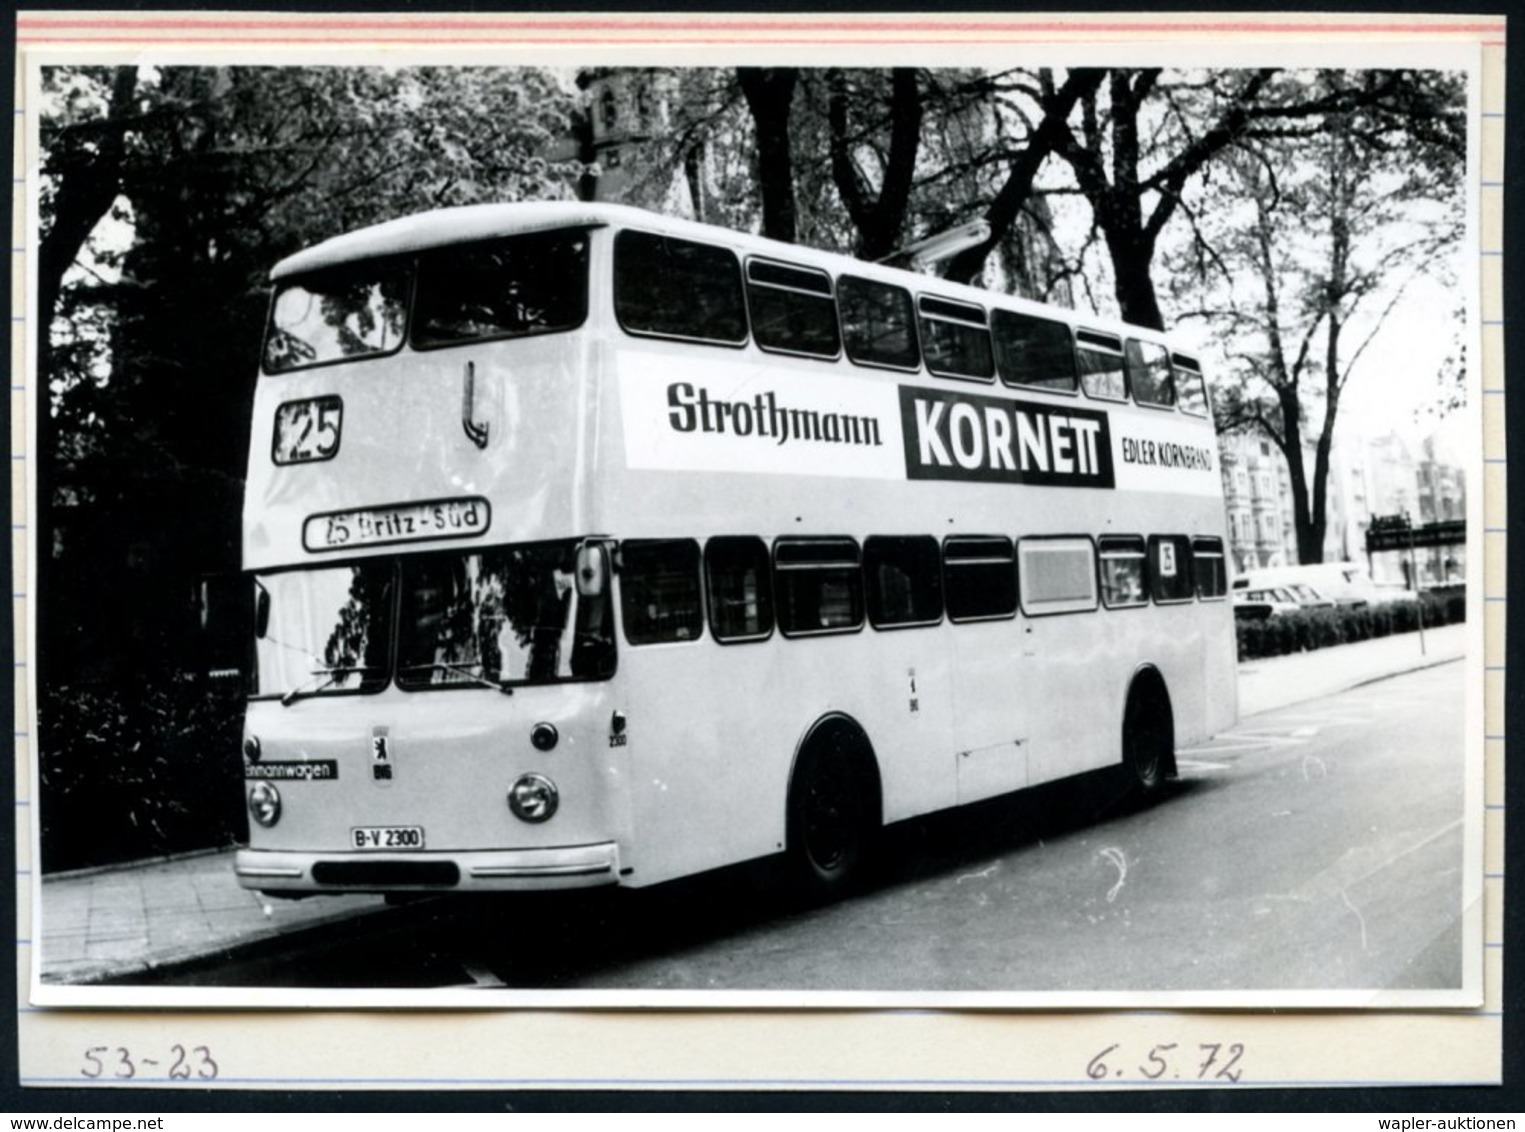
(1314, 847)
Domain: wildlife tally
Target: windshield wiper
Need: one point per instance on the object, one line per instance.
(323, 678)
(462, 670)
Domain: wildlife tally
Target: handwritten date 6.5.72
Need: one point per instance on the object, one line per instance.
(1170, 1061)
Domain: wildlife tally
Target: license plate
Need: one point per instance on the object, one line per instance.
(307, 430)
(376, 526)
(384, 837)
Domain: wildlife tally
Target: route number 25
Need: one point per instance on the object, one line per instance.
(307, 430)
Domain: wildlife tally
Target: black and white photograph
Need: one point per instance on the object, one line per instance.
(854, 531)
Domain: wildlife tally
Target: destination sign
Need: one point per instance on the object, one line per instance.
(379, 526)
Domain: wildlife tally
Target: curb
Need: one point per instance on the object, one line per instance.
(138, 863)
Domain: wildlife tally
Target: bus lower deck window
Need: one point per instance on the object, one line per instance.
(659, 591)
(979, 577)
(818, 585)
(1122, 572)
(904, 581)
(1169, 568)
(1057, 575)
(1207, 563)
(740, 594)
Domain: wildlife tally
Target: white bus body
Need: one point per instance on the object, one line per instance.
(492, 563)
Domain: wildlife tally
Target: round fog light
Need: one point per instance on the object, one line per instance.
(265, 804)
(533, 798)
(251, 748)
(543, 736)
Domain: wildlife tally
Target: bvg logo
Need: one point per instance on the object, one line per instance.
(962, 436)
(381, 755)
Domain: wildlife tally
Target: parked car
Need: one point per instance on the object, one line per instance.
(1331, 583)
(1273, 601)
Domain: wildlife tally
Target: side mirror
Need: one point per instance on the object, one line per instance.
(261, 610)
(592, 569)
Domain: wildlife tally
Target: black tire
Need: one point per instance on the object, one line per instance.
(1148, 739)
(831, 816)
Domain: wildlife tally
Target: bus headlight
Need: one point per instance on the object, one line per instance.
(265, 804)
(533, 798)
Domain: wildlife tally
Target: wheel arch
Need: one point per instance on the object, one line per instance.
(840, 728)
(1148, 686)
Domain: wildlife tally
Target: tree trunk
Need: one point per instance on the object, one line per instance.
(1132, 259)
(770, 95)
(879, 221)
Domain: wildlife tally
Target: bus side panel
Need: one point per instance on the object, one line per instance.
(993, 705)
(714, 730)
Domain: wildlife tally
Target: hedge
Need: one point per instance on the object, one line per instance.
(141, 769)
(1319, 628)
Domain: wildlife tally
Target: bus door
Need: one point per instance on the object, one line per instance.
(990, 702)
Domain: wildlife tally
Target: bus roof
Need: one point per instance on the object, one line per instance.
(443, 227)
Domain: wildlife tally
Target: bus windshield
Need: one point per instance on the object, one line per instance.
(323, 631)
(495, 618)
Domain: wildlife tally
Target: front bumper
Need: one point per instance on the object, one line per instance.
(505, 870)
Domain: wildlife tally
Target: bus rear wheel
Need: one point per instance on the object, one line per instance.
(831, 815)
(1148, 738)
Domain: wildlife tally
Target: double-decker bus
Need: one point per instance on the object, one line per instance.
(594, 547)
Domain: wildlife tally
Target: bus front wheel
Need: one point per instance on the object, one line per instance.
(831, 812)
(1148, 737)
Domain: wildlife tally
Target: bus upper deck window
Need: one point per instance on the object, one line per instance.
(678, 289)
(878, 323)
(330, 316)
(792, 309)
(1037, 352)
(1101, 365)
(531, 284)
(659, 591)
(955, 340)
(1188, 376)
(1149, 373)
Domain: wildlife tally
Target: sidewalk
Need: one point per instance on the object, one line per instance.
(1281, 680)
(117, 922)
